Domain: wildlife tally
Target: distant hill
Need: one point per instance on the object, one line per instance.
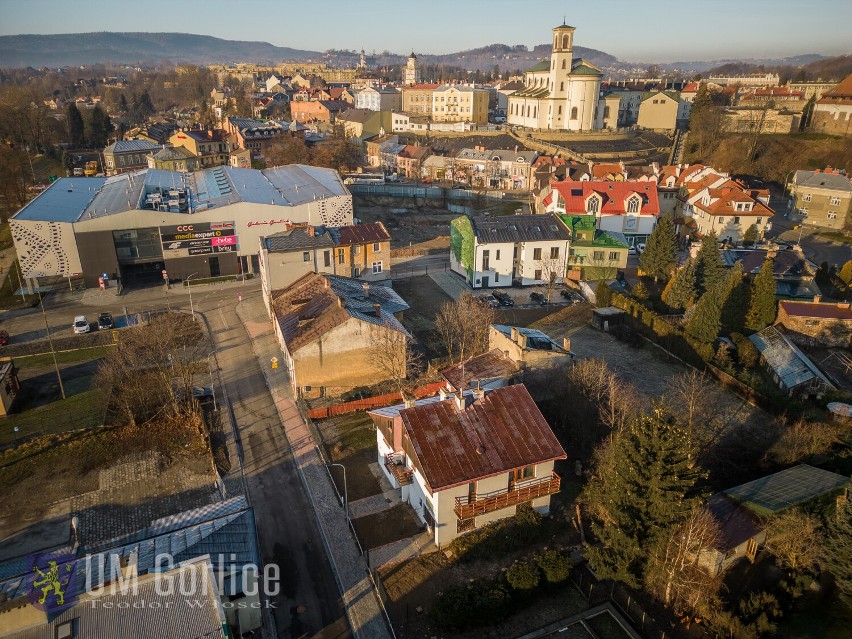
(805, 67)
(132, 48)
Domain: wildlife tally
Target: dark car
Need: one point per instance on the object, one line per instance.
(503, 298)
(4, 338)
(571, 296)
(105, 321)
(486, 300)
(538, 298)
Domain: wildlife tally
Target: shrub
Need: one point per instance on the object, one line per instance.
(477, 604)
(500, 538)
(555, 566)
(523, 575)
(747, 353)
(603, 294)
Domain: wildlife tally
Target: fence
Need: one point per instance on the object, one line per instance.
(367, 403)
(426, 192)
(402, 272)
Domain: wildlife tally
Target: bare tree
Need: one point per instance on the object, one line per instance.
(552, 269)
(675, 573)
(795, 539)
(463, 327)
(392, 355)
(803, 439)
(693, 399)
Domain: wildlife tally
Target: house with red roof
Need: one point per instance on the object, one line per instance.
(816, 322)
(631, 208)
(833, 111)
(463, 460)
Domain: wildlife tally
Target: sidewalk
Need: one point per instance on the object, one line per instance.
(363, 608)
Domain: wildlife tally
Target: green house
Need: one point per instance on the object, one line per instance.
(594, 254)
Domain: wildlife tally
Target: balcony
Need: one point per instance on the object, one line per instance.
(521, 492)
(395, 463)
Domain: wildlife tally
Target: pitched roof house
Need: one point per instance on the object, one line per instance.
(463, 460)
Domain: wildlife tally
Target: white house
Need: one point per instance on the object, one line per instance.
(379, 99)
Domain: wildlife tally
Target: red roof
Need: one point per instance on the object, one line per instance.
(692, 87)
(614, 195)
(823, 310)
(361, 233)
(842, 90)
(497, 433)
(602, 170)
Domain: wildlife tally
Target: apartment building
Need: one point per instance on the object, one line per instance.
(823, 196)
(417, 98)
(460, 103)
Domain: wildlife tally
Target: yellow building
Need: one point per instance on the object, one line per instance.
(417, 98)
(173, 159)
(658, 111)
(460, 103)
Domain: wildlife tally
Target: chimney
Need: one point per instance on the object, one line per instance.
(325, 282)
(460, 400)
(566, 343)
(515, 334)
(409, 400)
(365, 287)
(312, 231)
(377, 310)
(443, 394)
(817, 299)
(522, 341)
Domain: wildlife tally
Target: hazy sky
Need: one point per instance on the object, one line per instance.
(654, 31)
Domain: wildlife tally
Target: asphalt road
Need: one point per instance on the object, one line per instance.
(309, 604)
(818, 249)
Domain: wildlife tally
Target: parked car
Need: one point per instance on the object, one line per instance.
(105, 321)
(640, 247)
(503, 298)
(81, 324)
(4, 338)
(537, 298)
(486, 300)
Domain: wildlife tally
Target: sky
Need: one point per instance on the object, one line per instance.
(654, 31)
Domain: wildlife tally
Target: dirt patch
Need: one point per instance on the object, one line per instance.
(410, 221)
(351, 440)
(424, 297)
(387, 526)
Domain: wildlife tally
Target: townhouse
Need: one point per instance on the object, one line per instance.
(254, 135)
(317, 110)
(364, 123)
(507, 250)
(824, 197)
(816, 322)
(833, 111)
(460, 103)
(629, 208)
(462, 460)
(173, 159)
(594, 254)
(418, 98)
(128, 155)
(209, 146)
(659, 111)
(410, 160)
(379, 99)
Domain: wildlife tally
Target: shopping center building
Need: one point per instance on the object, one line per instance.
(132, 227)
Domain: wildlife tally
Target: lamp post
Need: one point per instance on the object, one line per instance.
(345, 491)
(189, 286)
(212, 384)
(50, 341)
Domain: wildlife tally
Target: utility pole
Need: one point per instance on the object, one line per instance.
(50, 341)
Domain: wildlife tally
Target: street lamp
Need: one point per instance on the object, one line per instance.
(50, 341)
(189, 286)
(345, 491)
(212, 384)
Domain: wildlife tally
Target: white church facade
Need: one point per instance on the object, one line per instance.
(562, 94)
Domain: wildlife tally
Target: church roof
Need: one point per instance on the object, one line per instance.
(532, 92)
(581, 67)
(543, 65)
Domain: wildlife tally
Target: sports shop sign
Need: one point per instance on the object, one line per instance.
(203, 238)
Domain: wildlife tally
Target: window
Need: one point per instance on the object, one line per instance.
(326, 258)
(341, 256)
(592, 205)
(561, 86)
(554, 252)
(737, 220)
(574, 113)
(537, 254)
(497, 256)
(537, 274)
(633, 205)
(834, 201)
(377, 247)
(356, 249)
(606, 112)
(563, 64)
(803, 211)
(377, 267)
(832, 215)
(306, 256)
(356, 271)
(559, 111)
(598, 256)
(486, 259)
(613, 256)
(720, 220)
(759, 221)
(806, 197)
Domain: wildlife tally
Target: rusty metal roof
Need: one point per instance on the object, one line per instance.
(494, 434)
(485, 367)
(360, 234)
(737, 524)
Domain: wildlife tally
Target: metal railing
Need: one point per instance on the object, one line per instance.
(467, 507)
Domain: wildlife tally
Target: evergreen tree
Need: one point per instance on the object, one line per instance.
(100, 127)
(734, 299)
(681, 291)
(643, 483)
(838, 550)
(710, 268)
(76, 128)
(762, 307)
(660, 255)
(640, 291)
(122, 103)
(603, 294)
(845, 273)
(145, 104)
(750, 235)
(705, 321)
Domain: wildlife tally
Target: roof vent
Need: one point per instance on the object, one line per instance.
(480, 450)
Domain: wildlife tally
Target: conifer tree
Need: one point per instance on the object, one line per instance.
(76, 128)
(660, 255)
(681, 291)
(705, 321)
(640, 291)
(710, 268)
(643, 483)
(734, 299)
(762, 307)
(838, 550)
(750, 235)
(603, 294)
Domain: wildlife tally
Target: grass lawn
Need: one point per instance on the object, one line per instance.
(5, 235)
(84, 410)
(836, 236)
(67, 357)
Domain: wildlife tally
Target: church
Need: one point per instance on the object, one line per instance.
(562, 94)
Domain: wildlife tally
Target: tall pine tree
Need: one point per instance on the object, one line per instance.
(99, 128)
(660, 255)
(643, 483)
(681, 291)
(705, 320)
(762, 308)
(76, 128)
(734, 299)
(710, 267)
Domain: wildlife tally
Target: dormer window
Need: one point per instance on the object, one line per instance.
(593, 204)
(633, 204)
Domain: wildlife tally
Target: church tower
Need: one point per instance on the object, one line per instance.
(362, 61)
(411, 73)
(561, 58)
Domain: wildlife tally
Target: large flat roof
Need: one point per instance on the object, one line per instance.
(790, 487)
(63, 201)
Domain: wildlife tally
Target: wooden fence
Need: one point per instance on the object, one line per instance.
(368, 403)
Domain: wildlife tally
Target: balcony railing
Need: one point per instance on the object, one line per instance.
(520, 492)
(395, 463)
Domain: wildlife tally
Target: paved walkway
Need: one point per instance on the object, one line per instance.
(363, 607)
(452, 284)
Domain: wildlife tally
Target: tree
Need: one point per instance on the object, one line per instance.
(845, 274)
(640, 291)
(463, 326)
(523, 575)
(552, 269)
(122, 103)
(76, 128)
(750, 235)
(337, 152)
(734, 299)
(681, 291)
(642, 484)
(693, 399)
(659, 258)
(603, 294)
(99, 129)
(803, 439)
(705, 319)
(762, 306)
(705, 121)
(837, 550)
(674, 575)
(392, 356)
(286, 149)
(795, 540)
(710, 269)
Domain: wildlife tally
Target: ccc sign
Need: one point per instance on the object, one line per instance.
(183, 228)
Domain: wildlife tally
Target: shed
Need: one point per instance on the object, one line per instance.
(789, 367)
(606, 317)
